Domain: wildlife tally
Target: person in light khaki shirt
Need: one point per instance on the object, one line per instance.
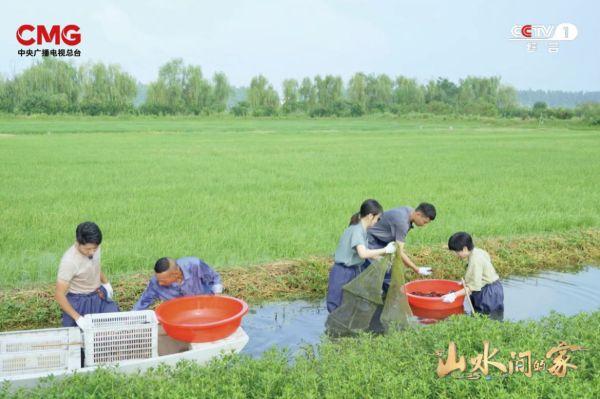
(81, 287)
(481, 280)
(81, 272)
(480, 271)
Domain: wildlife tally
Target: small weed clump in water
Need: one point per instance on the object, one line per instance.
(402, 364)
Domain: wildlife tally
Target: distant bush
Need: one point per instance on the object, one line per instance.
(240, 109)
(589, 112)
(560, 113)
(539, 109)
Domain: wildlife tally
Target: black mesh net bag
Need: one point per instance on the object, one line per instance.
(396, 313)
(363, 306)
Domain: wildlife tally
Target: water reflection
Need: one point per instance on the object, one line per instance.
(298, 323)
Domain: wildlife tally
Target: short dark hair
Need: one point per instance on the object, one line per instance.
(427, 210)
(460, 240)
(88, 233)
(162, 265)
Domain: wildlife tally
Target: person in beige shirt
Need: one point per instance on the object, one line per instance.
(81, 287)
(481, 280)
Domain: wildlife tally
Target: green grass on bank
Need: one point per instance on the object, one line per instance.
(250, 191)
(35, 307)
(401, 365)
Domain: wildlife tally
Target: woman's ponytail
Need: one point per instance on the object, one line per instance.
(368, 207)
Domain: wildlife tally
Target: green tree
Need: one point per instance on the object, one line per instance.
(507, 100)
(262, 97)
(182, 89)
(307, 95)
(441, 96)
(329, 96)
(379, 93)
(357, 93)
(165, 95)
(539, 108)
(408, 95)
(6, 98)
(221, 92)
(106, 89)
(50, 86)
(478, 96)
(242, 108)
(195, 91)
(589, 112)
(290, 96)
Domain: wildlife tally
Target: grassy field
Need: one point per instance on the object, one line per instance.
(251, 191)
(400, 365)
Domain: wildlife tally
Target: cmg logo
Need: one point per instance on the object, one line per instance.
(40, 34)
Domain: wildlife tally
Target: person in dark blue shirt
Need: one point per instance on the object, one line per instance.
(176, 278)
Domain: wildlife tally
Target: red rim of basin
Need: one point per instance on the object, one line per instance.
(169, 303)
(418, 301)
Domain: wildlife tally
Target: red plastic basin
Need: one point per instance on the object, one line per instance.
(440, 286)
(201, 318)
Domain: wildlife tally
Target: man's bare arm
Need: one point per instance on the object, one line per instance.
(405, 258)
(61, 297)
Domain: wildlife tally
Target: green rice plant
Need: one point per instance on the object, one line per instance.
(399, 365)
(240, 192)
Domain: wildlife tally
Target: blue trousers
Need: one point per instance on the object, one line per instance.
(490, 300)
(339, 276)
(88, 304)
(376, 243)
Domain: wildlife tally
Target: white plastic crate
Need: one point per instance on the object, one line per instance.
(39, 351)
(120, 336)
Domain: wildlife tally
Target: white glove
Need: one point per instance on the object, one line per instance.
(217, 288)
(84, 323)
(425, 271)
(390, 248)
(449, 298)
(109, 290)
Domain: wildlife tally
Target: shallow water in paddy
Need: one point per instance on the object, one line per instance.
(294, 324)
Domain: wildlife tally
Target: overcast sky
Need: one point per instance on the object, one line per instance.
(292, 39)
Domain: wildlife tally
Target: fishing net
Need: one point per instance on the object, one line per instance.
(396, 314)
(364, 305)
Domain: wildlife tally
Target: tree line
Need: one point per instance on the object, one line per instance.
(368, 94)
(558, 98)
(54, 86)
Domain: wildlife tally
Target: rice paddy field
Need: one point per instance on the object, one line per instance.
(240, 192)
